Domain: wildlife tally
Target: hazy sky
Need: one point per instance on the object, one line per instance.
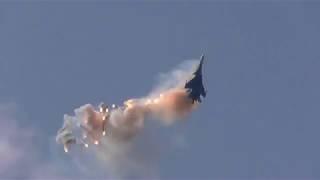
(261, 115)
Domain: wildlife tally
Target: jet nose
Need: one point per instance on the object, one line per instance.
(202, 58)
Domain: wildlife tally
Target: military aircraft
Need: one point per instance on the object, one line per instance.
(195, 86)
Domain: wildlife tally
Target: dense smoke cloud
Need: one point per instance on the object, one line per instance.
(109, 133)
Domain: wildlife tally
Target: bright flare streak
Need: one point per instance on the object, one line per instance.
(96, 142)
(65, 149)
(107, 110)
(103, 118)
(103, 133)
(86, 145)
(101, 109)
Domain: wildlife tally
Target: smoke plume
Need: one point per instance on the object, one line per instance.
(111, 137)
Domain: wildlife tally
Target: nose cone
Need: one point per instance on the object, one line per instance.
(202, 57)
(199, 68)
(201, 60)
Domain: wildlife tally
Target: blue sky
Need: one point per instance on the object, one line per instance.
(259, 120)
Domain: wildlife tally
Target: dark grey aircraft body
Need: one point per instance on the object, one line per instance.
(195, 85)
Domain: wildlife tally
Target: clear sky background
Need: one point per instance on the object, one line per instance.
(261, 115)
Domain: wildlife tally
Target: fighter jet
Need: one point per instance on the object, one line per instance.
(195, 86)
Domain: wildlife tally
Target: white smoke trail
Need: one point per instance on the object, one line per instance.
(114, 145)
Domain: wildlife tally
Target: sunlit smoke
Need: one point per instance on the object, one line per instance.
(112, 130)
